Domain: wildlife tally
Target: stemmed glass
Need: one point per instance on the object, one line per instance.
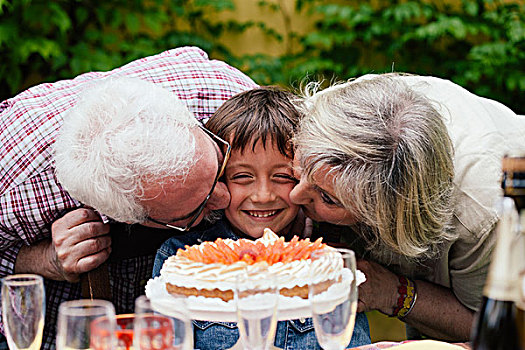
(333, 306)
(256, 298)
(152, 330)
(23, 309)
(75, 320)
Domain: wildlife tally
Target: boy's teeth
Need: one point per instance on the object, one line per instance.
(260, 214)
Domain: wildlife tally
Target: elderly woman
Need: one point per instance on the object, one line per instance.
(412, 165)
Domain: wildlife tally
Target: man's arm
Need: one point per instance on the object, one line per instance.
(80, 242)
(437, 312)
(36, 259)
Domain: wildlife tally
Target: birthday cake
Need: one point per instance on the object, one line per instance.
(210, 269)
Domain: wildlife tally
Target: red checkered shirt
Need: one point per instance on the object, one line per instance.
(30, 196)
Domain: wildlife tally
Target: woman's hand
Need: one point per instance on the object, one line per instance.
(379, 291)
(437, 312)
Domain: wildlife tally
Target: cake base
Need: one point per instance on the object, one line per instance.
(227, 295)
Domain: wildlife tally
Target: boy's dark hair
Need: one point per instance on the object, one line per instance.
(262, 114)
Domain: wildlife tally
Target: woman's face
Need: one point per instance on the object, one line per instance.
(318, 199)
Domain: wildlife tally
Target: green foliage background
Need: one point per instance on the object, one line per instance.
(479, 44)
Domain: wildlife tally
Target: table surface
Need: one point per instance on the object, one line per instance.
(414, 344)
(407, 344)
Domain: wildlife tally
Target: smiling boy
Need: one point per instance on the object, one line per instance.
(259, 125)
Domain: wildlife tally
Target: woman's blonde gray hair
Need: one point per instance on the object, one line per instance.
(391, 157)
(123, 135)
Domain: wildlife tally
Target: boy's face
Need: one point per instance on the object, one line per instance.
(260, 182)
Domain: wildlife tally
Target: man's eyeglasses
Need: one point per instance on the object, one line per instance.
(194, 215)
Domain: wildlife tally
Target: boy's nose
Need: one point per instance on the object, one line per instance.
(263, 193)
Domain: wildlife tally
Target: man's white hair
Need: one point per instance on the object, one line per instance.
(123, 135)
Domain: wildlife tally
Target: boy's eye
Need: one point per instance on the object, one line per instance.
(240, 176)
(287, 177)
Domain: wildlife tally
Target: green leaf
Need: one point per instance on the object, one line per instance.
(8, 32)
(489, 53)
(59, 17)
(5, 6)
(521, 83)
(44, 47)
(457, 28)
(318, 39)
(92, 35)
(116, 20)
(444, 25)
(516, 30)
(132, 22)
(110, 39)
(512, 82)
(14, 79)
(218, 5)
(155, 21)
(471, 7)
(81, 14)
(405, 11)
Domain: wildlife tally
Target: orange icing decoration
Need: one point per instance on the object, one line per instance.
(251, 252)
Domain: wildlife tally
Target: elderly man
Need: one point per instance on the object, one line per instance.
(127, 148)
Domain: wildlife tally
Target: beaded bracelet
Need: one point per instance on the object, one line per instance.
(407, 297)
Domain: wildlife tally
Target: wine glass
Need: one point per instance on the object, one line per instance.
(23, 309)
(153, 330)
(74, 324)
(256, 298)
(333, 306)
(103, 332)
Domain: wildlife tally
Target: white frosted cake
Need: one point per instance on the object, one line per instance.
(210, 269)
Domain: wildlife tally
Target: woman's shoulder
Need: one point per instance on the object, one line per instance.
(474, 216)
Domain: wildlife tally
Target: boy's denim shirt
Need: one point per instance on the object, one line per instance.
(291, 334)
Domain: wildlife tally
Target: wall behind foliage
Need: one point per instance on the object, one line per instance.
(479, 44)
